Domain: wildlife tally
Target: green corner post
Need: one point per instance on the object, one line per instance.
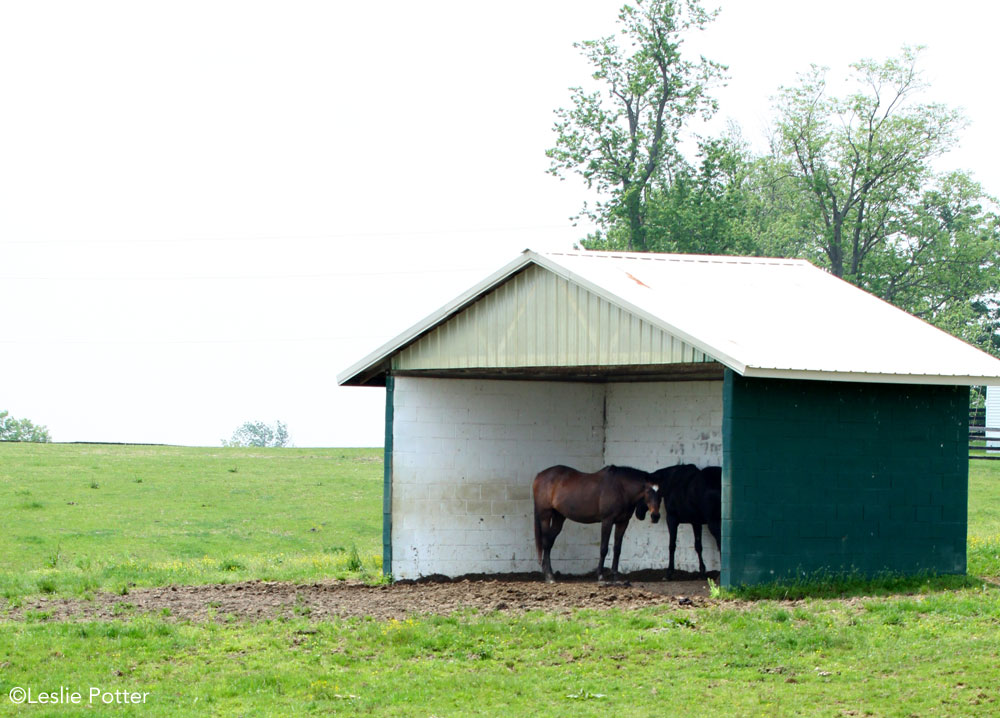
(387, 481)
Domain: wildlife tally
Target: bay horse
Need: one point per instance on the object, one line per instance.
(691, 496)
(608, 496)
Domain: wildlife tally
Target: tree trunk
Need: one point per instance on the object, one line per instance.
(636, 224)
(836, 249)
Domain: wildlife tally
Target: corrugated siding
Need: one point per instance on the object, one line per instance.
(993, 418)
(540, 319)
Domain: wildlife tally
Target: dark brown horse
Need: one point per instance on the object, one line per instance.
(608, 496)
(691, 496)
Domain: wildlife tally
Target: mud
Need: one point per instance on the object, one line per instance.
(260, 600)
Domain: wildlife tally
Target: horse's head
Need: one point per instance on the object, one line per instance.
(650, 501)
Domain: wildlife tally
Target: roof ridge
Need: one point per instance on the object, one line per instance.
(680, 257)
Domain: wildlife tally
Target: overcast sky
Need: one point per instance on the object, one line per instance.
(209, 209)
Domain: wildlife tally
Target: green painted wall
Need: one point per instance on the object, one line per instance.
(842, 477)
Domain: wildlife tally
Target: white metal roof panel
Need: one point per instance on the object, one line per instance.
(776, 318)
(780, 318)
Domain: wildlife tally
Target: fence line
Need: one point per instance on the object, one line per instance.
(978, 433)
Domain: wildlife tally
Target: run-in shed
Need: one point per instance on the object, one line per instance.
(840, 421)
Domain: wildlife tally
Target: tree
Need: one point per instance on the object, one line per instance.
(12, 429)
(864, 157)
(730, 201)
(621, 139)
(257, 433)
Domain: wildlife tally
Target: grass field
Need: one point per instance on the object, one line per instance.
(80, 518)
(984, 518)
(929, 655)
(161, 515)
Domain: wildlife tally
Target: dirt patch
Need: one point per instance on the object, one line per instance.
(258, 600)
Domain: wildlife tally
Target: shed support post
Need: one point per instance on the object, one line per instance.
(387, 481)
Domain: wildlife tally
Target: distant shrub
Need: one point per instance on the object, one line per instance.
(12, 429)
(257, 433)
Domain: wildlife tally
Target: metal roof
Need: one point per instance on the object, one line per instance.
(774, 318)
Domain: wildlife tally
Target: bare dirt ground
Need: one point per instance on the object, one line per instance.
(258, 600)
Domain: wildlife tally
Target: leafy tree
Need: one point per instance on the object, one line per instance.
(622, 138)
(730, 202)
(864, 157)
(257, 433)
(12, 429)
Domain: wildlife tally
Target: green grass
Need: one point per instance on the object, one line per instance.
(816, 658)
(984, 518)
(84, 518)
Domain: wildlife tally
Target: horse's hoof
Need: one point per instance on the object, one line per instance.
(549, 579)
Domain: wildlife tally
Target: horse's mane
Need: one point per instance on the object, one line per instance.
(627, 472)
(669, 473)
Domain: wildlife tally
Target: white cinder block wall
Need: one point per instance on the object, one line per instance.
(465, 452)
(464, 455)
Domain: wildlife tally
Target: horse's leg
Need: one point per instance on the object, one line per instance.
(716, 528)
(538, 534)
(551, 529)
(605, 535)
(619, 534)
(672, 524)
(697, 547)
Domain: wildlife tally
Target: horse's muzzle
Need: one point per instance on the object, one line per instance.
(654, 517)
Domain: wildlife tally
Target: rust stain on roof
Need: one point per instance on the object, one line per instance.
(637, 280)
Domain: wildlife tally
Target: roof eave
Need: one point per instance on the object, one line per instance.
(360, 373)
(871, 377)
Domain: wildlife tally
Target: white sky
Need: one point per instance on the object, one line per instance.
(209, 209)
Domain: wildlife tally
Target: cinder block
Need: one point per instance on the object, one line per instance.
(508, 508)
(479, 508)
(405, 415)
(850, 512)
(954, 513)
(493, 491)
(469, 492)
(902, 513)
(518, 492)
